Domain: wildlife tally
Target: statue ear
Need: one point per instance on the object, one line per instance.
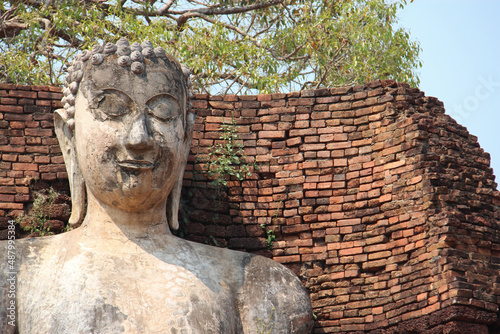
(63, 127)
(174, 198)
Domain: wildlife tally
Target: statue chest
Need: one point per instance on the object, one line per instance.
(136, 294)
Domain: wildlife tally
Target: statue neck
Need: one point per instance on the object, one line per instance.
(105, 222)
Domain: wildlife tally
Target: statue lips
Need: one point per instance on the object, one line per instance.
(136, 164)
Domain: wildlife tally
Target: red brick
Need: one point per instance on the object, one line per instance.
(25, 94)
(320, 115)
(295, 228)
(329, 99)
(21, 198)
(17, 117)
(312, 147)
(272, 134)
(15, 174)
(38, 132)
(302, 124)
(221, 105)
(13, 149)
(62, 175)
(56, 89)
(278, 110)
(7, 100)
(213, 127)
(49, 176)
(38, 149)
(24, 166)
(6, 86)
(25, 158)
(340, 106)
(33, 140)
(17, 141)
(46, 103)
(301, 102)
(199, 104)
(287, 259)
(264, 97)
(348, 222)
(17, 125)
(303, 132)
(269, 127)
(385, 198)
(351, 251)
(42, 114)
(42, 159)
(339, 162)
(248, 105)
(50, 96)
(394, 164)
(313, 257)
(15, 206)
(375, 248)
(338, 145)
(6, 198)
(318, 124)
(248, 113)
(9, 157)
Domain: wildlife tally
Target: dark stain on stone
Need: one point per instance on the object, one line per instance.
(108, 318)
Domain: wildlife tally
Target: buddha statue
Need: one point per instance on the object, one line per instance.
(125, 134)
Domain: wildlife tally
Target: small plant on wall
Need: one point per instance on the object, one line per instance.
(270, 236)
(37, 222)
(227, 158)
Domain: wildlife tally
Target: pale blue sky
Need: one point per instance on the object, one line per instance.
(461, 62)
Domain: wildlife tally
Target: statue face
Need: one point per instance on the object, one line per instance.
(129, 133)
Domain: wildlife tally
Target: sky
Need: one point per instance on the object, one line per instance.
(460, 41)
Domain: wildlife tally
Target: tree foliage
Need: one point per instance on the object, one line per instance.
(231, 46)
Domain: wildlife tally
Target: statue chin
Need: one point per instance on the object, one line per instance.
(133, 192)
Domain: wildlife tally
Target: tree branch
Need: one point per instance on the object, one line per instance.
(228, 76)
(271, 22)
(10, 25)
(332, 63)
(204, 4)
(181, 20)
(255, 41)
(294, 52)
(185, 15)
(72, 40)
(235, 10)
(166, 7)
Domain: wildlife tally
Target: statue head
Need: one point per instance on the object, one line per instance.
(125, 130)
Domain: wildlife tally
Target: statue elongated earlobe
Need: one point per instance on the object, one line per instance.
(64, 133)
(174, 198)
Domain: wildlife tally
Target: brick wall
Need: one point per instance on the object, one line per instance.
(30, 157)
(384, 206)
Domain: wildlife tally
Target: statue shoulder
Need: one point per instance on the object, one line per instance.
(272, 298)
(15, 256)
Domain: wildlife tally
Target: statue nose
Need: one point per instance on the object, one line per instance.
(139, 138)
